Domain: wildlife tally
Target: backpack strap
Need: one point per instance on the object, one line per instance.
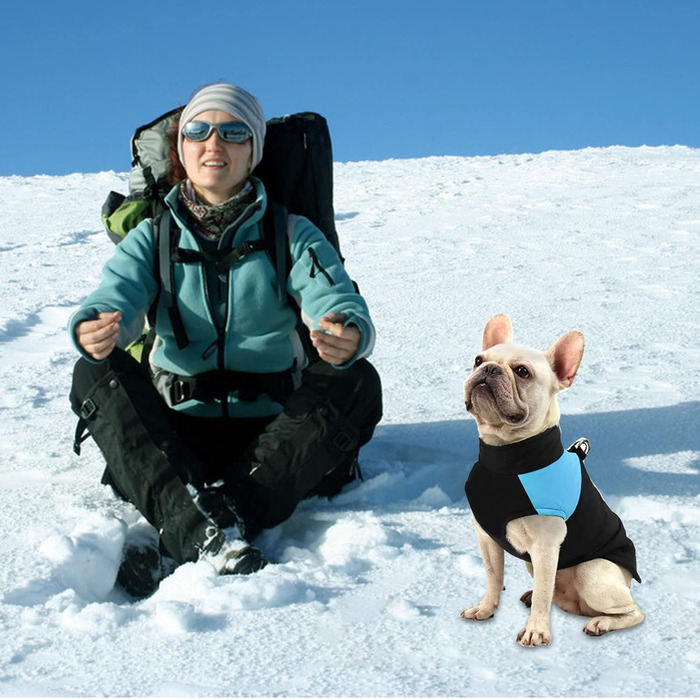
(222, 260)
(166, 239)
(82, 432)
(277, 229)
(273, 232)
(216, 385)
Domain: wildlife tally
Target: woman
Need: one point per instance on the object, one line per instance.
(229, 431)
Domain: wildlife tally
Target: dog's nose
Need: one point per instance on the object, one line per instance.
(492, 369)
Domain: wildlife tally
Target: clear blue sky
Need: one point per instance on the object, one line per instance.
(395, 78)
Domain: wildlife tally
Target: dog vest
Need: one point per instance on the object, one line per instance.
(538, 477)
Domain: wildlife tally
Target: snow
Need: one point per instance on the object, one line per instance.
(365, 593)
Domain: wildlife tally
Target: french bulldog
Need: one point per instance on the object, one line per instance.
(534, 499)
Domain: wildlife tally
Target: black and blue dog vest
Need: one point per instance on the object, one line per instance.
(538, 477)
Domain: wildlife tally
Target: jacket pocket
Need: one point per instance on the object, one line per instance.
(318, 270)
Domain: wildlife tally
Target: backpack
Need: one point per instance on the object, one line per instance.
(296, 169)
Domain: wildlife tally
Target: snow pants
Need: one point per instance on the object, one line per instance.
(266, 466)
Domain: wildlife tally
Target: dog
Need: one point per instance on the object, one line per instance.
(534, 499)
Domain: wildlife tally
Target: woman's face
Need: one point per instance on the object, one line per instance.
(217, 169)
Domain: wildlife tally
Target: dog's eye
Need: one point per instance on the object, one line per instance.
(478, 360)
(522, 371)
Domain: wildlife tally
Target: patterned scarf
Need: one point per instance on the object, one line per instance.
(211, 220)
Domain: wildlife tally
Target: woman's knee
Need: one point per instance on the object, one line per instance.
(119, 369)
(355, 391)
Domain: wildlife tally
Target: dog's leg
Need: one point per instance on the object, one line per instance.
(541, 537)
(604, 592)
(493, 558)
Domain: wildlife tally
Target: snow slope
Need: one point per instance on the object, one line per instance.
(366, 590)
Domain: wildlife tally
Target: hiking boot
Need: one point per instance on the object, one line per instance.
(219, 507)
(247, 560)
(143, 567)
(231, 554)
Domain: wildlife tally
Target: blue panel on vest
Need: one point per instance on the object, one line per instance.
(556, 489)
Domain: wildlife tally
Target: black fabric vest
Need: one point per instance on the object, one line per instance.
(537, 477)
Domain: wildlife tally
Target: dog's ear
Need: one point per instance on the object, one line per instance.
(498, 330)
(565, 357)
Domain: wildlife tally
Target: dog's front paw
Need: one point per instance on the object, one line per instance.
(531, 636)
(483, 611)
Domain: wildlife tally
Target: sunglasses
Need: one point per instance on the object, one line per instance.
(232, 132)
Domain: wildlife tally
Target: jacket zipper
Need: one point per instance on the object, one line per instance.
(219, 345)
(222, 339)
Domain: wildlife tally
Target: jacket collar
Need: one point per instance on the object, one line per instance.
(525, 456)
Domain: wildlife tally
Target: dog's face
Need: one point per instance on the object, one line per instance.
(512, 389)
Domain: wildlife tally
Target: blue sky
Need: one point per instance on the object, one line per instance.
(395, 78)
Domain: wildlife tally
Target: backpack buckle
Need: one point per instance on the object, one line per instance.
(87, 410)
(180, 391)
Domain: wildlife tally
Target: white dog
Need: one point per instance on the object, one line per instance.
(534, 499)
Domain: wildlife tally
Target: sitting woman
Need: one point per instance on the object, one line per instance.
(222, 435)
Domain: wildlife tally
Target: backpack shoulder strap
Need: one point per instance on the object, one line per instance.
(166, 235)
(277, 229)
(273, 232)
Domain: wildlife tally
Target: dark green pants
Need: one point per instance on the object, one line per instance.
(266, 466)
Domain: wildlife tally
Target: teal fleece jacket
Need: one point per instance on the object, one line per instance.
(257, 328)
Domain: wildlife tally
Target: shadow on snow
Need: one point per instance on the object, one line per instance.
(616, 438)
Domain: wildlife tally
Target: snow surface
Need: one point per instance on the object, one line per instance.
(365, 592)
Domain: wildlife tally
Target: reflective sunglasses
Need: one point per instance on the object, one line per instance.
(232, 132)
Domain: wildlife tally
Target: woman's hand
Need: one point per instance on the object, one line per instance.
(339, 343)
(99, 337)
